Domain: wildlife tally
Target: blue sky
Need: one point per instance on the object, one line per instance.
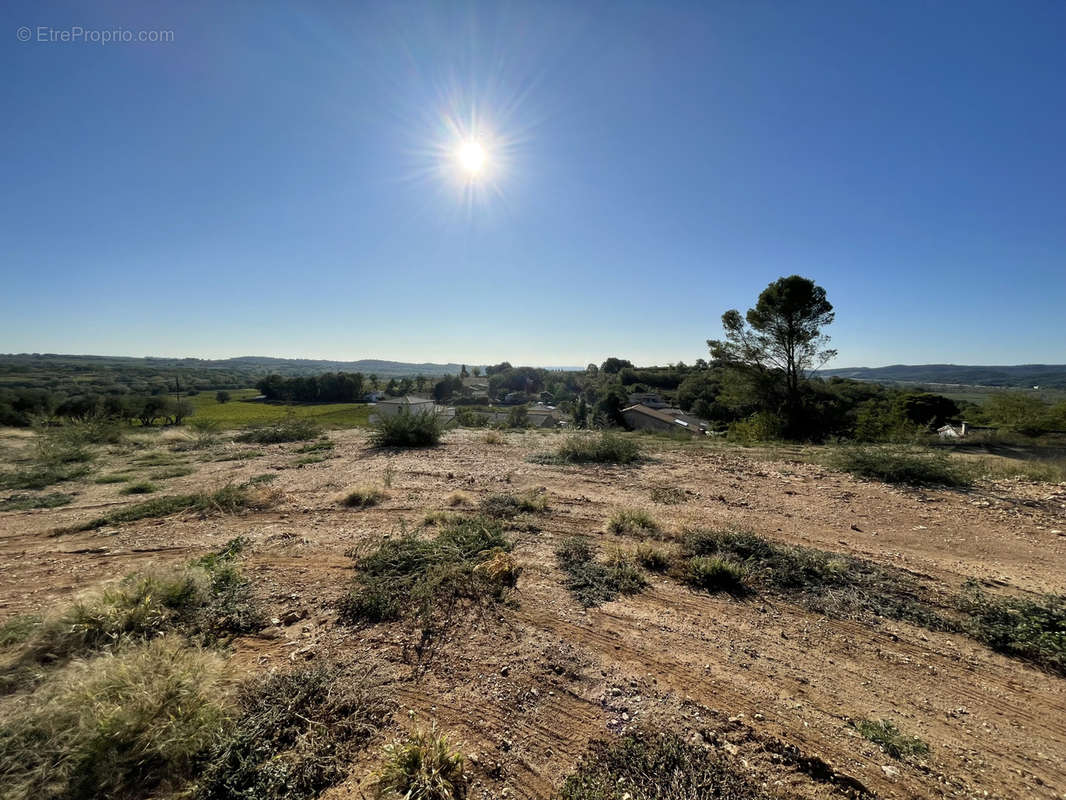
(279, 179)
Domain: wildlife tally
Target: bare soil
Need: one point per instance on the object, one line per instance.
(527, 687)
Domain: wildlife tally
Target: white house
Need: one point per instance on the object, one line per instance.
(408, 404)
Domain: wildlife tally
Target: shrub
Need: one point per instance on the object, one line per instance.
(128, 725)
(363, 497)
(648, 765)
(633, 522)
(652, 558)
(890, 739)
(24, 502)
(425, 766)
(508, 506)
(141, 487)
(902, 465)
(1033, 630)
(668, 495)
(292, 735)
(593, 582)
(607, 448)
(41, 476)
(289, 429)
(230, 499)
(714, 574)
(427, 578)
(408, 430)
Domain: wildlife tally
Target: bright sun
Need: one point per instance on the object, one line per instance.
(472, 157)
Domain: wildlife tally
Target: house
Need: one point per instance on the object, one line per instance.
(373, 397)
(962, 429)
(409, 404)
(640, 417)
(649, 399)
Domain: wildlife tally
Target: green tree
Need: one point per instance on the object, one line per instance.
(779, 342)
(222, 396)
(612, 365)
(926, 409)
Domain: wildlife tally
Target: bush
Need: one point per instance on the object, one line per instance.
(412, 576)
(714, 574)
(890, 739)
(902, 465)
(593, 582)
(648, 765)
(141, 487)
(425, 766)
(24, 502)
(508, 506)
(128, 725)
(289, 429)
(652, 558)
(633, 522)
(607, 448)
(1032, 630)
(230, 499)
(293, 734)
(408, 430)
(363, 497)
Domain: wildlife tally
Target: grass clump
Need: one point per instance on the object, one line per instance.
(428, 578)
(292, 735)
(172, 472)
(209, 599)
(126, 725)
(141, 487)
(648, 765)
(716, 574)
(1028, 629)
(408, 430)
(25, 502)
(424, 766)
(458, 499)
(903, 465)
(633, 522)
(594, 582)
(508, 506)
(606, 448)
(18, 629)
(115, 477)
(363, 497)
(288, 429)
(652, 558)
(493, 437)
(41, 476)
(230, 499)
(323, 445)
(891, 739)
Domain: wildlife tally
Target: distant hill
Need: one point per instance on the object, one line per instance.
(1046, 376)
(250, 365)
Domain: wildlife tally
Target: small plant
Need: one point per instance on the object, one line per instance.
(172, 472)
(291, 428)
(652, 558)
(292, 736)
(652, 765)
(594, 582)
(206, 431)
(389, 472)
(363, 497)
(424, 766)
(714, 574)
(633, 522)
(903, 465)
(508, 506)
(607, 448)
(25, 502)
(891, 739)
(405, 429)
(668, 495)
(458, 499)
(141, 487)
(493, 437)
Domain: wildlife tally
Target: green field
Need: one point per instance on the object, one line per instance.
(240, 412)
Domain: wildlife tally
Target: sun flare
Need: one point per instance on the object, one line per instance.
(472, 157)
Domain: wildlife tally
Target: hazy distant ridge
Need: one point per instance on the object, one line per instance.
(1021, 375)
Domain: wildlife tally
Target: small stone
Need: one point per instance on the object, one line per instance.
(890, 771)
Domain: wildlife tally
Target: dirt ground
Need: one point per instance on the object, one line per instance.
(529, 686)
